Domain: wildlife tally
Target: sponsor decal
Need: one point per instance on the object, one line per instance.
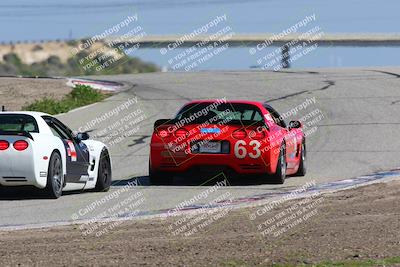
(84, 178)
(210, 130)
(71, 150)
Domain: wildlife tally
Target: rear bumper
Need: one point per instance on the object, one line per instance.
(18, 181)
(22, 170)
(165, 161)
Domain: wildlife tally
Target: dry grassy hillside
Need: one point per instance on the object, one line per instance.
(30, 53)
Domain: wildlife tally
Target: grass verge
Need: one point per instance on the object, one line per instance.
(81, 95)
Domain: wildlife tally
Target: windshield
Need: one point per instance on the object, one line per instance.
(18, 123)
(226, 113)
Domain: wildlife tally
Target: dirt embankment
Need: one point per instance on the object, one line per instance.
(30, 53)
(17, 92)
(352, 226)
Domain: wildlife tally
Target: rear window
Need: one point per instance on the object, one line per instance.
(18, 123)
(226, 113)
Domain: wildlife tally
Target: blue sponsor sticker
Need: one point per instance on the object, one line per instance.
(210, 130)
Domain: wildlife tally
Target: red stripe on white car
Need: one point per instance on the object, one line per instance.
(71, 151)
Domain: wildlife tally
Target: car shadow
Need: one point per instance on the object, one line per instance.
(20, 193)
(28, 193)
(31, 193)
(196, 180)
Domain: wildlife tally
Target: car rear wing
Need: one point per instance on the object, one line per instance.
(17, 133)
(232, 122)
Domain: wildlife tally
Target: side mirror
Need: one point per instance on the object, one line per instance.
(161, 122)
(82, 136)
(295, 125)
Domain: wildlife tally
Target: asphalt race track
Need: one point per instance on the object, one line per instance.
(357, 135)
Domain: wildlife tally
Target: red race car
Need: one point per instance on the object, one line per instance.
(243, 137)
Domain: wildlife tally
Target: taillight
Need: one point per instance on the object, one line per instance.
(181, 132)
(4, 144)
(257, 135)
(20, 145)
(162, 133)
(239, 134)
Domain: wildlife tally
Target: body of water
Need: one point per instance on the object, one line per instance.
(27, 20)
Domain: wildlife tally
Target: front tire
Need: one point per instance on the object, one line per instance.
(104, 173)
(55, 176)
(302, 167)
(280, 174)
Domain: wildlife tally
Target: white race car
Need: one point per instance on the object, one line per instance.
(38, 150)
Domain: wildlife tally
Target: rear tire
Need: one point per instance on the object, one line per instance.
(104, 174)
(280, 174)
(302, 167)
(55, 177)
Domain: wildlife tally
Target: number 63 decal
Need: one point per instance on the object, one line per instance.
(241, 151)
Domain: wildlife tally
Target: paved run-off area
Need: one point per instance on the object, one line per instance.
(357, 134)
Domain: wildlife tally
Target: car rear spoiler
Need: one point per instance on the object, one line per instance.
(232, 122)
(163, 121)
(17, 133)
